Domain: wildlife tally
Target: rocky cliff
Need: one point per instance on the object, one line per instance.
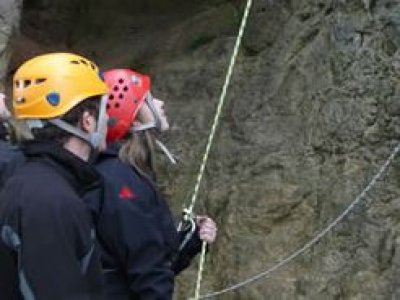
(10, 11)
(312, 113)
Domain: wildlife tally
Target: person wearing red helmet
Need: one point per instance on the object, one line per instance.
(142, 250)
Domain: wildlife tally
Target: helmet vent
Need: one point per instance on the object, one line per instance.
(75, 62)
(27, 83)
(84, 62)
(111, 97)
(125, 88)
(20, 100)
(93, 66)
(121, 96)
(116, 105)
(40, 80)
(121, 81)
(116, 88)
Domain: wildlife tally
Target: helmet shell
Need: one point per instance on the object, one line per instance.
(127, 92)
(50, 85)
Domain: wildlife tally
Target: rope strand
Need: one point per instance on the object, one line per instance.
(212, 134)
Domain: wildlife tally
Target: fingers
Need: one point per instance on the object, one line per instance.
(208, 236)
(207, 229)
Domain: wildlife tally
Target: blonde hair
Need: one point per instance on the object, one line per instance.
(138, 151)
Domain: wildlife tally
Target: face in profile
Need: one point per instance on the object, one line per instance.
(146, 115)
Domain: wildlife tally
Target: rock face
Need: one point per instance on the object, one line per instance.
(312, 113)
(9, 23)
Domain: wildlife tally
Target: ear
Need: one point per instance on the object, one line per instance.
(88, 122)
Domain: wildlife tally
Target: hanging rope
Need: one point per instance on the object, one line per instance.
(189, 211)
(219, 108)
(316, 239)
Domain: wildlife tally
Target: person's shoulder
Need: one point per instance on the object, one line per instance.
(38, 191)
(38, 179)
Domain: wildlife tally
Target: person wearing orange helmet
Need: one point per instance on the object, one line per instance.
(47, 238)
(142, 250)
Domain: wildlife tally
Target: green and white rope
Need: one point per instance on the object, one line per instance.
(217, 117)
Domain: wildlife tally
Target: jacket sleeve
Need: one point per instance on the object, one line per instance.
(53, 246)
(191, 249)
(131, 232)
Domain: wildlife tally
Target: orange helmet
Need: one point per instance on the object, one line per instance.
(50, 85)
(127, 92)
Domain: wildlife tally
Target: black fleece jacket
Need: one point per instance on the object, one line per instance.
(47, 237)
(140, 242)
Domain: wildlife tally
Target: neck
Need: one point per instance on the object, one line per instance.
(78, 147)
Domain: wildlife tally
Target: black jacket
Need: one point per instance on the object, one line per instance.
(47, 244)
(138, 235)
(10, 158)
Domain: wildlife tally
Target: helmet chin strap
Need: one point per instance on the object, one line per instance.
(168, 153)
(157, 119)
(94, 139)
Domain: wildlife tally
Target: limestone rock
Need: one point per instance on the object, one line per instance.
(9, 22)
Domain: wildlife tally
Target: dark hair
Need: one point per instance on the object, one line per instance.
(73, 117)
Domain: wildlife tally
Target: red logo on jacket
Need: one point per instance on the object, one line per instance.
(126, 193)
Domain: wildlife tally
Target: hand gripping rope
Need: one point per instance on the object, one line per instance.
(188, 213)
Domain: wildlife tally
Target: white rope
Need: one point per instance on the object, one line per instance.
(201, 269)
(220, 106)
(316, 239)
(211, 137)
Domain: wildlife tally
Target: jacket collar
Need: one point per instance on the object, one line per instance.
(80, 174)
(111, 151)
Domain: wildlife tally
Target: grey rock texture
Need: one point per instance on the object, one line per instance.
(9, 22)
(312, 113)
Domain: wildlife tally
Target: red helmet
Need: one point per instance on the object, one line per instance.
(127, 92)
